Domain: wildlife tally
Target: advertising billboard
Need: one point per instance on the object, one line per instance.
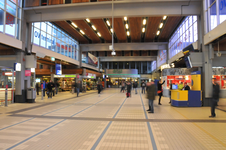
(92, 60)
(58, 69)
(162, 56)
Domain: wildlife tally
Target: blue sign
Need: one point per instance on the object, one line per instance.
(58, 69)
(196, 72)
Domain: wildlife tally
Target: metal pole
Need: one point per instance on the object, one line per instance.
(42, 93)
(6, 97)
(113, 26)
(13, 86)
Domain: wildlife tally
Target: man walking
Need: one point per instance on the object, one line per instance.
(77, 86)
(215, 99)
(99, 88)
(50, 87)
(151, 90)
(37, 88)
(135, 87)
(129, 87)
(143, 85)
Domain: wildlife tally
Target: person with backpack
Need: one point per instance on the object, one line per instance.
(123, 86)
(143, 86)
(99, 88)
(129, 87)
(135, 86)
(160, 90)
(50, 87)
(151, 90)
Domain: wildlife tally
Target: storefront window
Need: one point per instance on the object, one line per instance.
(10, 24)
(2, 4)
(11, 8)
(49, 40)
(58, 45)
(43, 39)
(1, 19)
(54, 44)
(36, 36)
(213, 17)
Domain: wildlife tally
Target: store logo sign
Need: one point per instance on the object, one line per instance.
(222, 4)
(44, 38)
(117, 71)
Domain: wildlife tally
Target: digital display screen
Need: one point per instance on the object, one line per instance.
(174, 87)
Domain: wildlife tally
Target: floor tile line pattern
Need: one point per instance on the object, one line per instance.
(149, 127)
(46, 104)
(36, 116)
(107, 127)
(16, 124)
(216, 139)
(53, 125)
(35, 135)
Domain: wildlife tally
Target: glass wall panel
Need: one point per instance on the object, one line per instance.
(36, 36)
(66, 50)
(49, 29)
(62, 47)
(43, 39)
(58, 45)
(73, 52)
(11, 7)
(222, 10)
(54, 44)
(10, 25)
(43, 26)
(69, 51)
(213, 17)
(18, 31)
(2, 4)
(49, 42)
(1, 19)
(37, 25)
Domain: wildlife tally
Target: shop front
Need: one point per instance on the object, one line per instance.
(89, 82)
(219, 74)
(66, 81)
(114, 77)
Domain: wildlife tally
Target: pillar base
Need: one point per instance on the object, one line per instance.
(206, 101)
(21, 98)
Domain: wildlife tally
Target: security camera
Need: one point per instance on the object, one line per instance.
(218, 54)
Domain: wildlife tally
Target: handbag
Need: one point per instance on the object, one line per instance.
(159, 91)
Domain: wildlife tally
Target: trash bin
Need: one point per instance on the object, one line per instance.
(31, 95)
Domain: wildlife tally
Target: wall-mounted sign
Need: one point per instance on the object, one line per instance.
(92, 60)
(90, 75)
(58, 69)
(65, 76)
(162, 56)
(165, 66)
(17, 66)
(27, 73)
(117, 71)
(8, 73)
(121, 71)
(33, 70)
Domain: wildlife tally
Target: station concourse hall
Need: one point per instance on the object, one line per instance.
(110, 121)
(112, 75)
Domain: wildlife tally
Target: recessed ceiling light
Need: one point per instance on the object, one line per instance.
(128, 33)
(164, 17)
(74, 25)
(108, 23)
(158, 32)
(94, 28)
(127, 26)
(144, 22)
(99, 34)
(125, 18)
(87, 20)
(160, 26)
(82, 32)
(111, 30)
(143, 30)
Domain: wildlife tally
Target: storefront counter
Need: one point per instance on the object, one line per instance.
(186, 98)
(179, 98)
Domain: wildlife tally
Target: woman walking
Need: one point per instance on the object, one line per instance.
(160, 91)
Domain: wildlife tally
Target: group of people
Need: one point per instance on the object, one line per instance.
(128, 86)
(49, 87)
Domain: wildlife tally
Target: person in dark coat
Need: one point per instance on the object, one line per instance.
(50, 87)
(186, 87)
(77, 87)
(151, 90)
(37, 88)
(171, 87)
(135, 84)
(57, 87)
(215, 98)
(143, 85)
(123, 86)
(99, 88)
(129, 87)
(160, 91)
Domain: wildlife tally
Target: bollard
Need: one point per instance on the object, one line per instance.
(42, 94)
(6, 97)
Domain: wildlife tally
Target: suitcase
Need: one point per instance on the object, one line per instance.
(128, 94)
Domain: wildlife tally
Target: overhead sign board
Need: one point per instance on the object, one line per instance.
(58, 69)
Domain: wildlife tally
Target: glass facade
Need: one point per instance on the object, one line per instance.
(185, 34)
(215, 11)
(48, 36)
(10, 17)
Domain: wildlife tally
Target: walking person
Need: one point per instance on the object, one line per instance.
(160, 91)
(50, 89)
(215, 98)
(151, 90)
(77, 86)
(99, 88)
(37, 88)
(129, 87)
(123, 86)
(44, 87)
(135, 86)
(143, 85)
(57, 87)
(171, 87)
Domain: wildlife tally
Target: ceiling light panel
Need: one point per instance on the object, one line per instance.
(74, 25)
(128, 33)
(158, 32)
(94, 28)
(161, 25)
(99, 34)
(164, 17)
(111, 30)
(108, 23)
(144, 22)
(82, 32)
(127, 26)
(143, 30)
(125, 18)
(88, 20)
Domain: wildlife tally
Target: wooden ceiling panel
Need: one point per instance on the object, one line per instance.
(152, 27)
(169, 27)
(87, 29)
(119, 30)
(135, 25)
(101, 27)
(72, 31)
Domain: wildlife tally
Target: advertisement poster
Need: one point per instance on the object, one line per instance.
(162, 57)
(153, 66)
(27, 73)
(92, 60)
(58, 69)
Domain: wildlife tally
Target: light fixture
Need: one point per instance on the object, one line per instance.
(108, 23)
(74, 25)
(99, 34)
(143, 30)
(82, 32)
(158, 32)
(111, 30)
(94, 28)
(127, 26)
(87, 20)
(128, 33)
(113, 53)
(161, 25)
(164, 17)
(125, 18)
(144, 22)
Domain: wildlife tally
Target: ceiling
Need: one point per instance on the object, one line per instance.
(120, 36)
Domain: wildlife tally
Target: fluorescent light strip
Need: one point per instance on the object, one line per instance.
(111, 30)
(125, 18)
(158, 32)
(143, 30)
(164, 17)
(108, 23)
(128, 33)
(99, 34)
(87, 20)
(94, 28)
(144, 22)
(82, 32)
(74, 25)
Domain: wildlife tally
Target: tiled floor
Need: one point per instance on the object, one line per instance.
(109, 122)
